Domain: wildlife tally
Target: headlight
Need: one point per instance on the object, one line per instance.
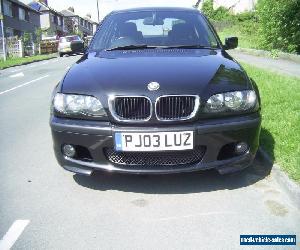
(78, 104)
(232, 101)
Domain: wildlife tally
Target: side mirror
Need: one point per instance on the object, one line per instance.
(231, 42)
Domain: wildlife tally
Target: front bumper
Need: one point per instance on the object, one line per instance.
(214, 135)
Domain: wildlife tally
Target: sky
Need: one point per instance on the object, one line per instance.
(82, 7)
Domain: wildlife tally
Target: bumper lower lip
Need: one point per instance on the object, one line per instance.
(92, 128)
(213, 134)
(223, 167)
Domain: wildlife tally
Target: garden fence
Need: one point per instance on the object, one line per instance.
(17, 48)
(14, 47)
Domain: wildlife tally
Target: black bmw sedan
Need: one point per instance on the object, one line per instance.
(156, 93)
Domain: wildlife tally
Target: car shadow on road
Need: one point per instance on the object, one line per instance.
(268, 143)
(196, 182)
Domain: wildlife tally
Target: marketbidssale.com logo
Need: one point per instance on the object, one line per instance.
(279, 240)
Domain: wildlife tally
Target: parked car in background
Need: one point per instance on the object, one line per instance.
(70, 45)
(155, 93)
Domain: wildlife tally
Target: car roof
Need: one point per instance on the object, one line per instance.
(156, 9)
(68, 36)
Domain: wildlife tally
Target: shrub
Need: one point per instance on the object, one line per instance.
(27, 38)
(222, 13)
(279, 24)
(38, 35)
(246, 16)
(218, 14)
(208, 8)
(275, 25)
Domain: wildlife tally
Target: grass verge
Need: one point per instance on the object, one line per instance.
(280, 135)
(23, 60)
(246, 34)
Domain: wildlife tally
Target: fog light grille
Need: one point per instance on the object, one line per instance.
(152, 159)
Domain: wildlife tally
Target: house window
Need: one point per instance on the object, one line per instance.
(22, 14)
(52, 18)
(59, 21)
(7, 8)
(9, 32)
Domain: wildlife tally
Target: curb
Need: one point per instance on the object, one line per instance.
(264, 53)
(289, 186)
(26, 63)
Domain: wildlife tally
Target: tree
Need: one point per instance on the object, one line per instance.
(27, 38)
(38, 35)
(208, 8)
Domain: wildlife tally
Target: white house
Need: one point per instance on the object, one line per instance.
(237, 6)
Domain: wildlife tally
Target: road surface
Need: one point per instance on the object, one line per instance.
(44, 207)
(281, 66)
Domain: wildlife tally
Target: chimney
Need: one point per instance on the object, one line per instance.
(71, 9)
(88, 15)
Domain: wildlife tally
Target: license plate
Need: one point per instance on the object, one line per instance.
(160, 141)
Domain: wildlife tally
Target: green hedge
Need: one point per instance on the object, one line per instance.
(275, 23)
(279, 24)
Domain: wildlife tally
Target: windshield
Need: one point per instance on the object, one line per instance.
(155, 29)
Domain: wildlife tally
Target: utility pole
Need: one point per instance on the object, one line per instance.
(2, 30)
(98, 11)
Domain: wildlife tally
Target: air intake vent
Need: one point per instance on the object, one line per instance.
(131, 108)
(155, 159)
(169, 108)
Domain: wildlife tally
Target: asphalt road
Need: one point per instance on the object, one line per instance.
(281, 66)
(44, 207)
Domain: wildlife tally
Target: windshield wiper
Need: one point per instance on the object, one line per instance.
(132, 47)
(192, 46)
